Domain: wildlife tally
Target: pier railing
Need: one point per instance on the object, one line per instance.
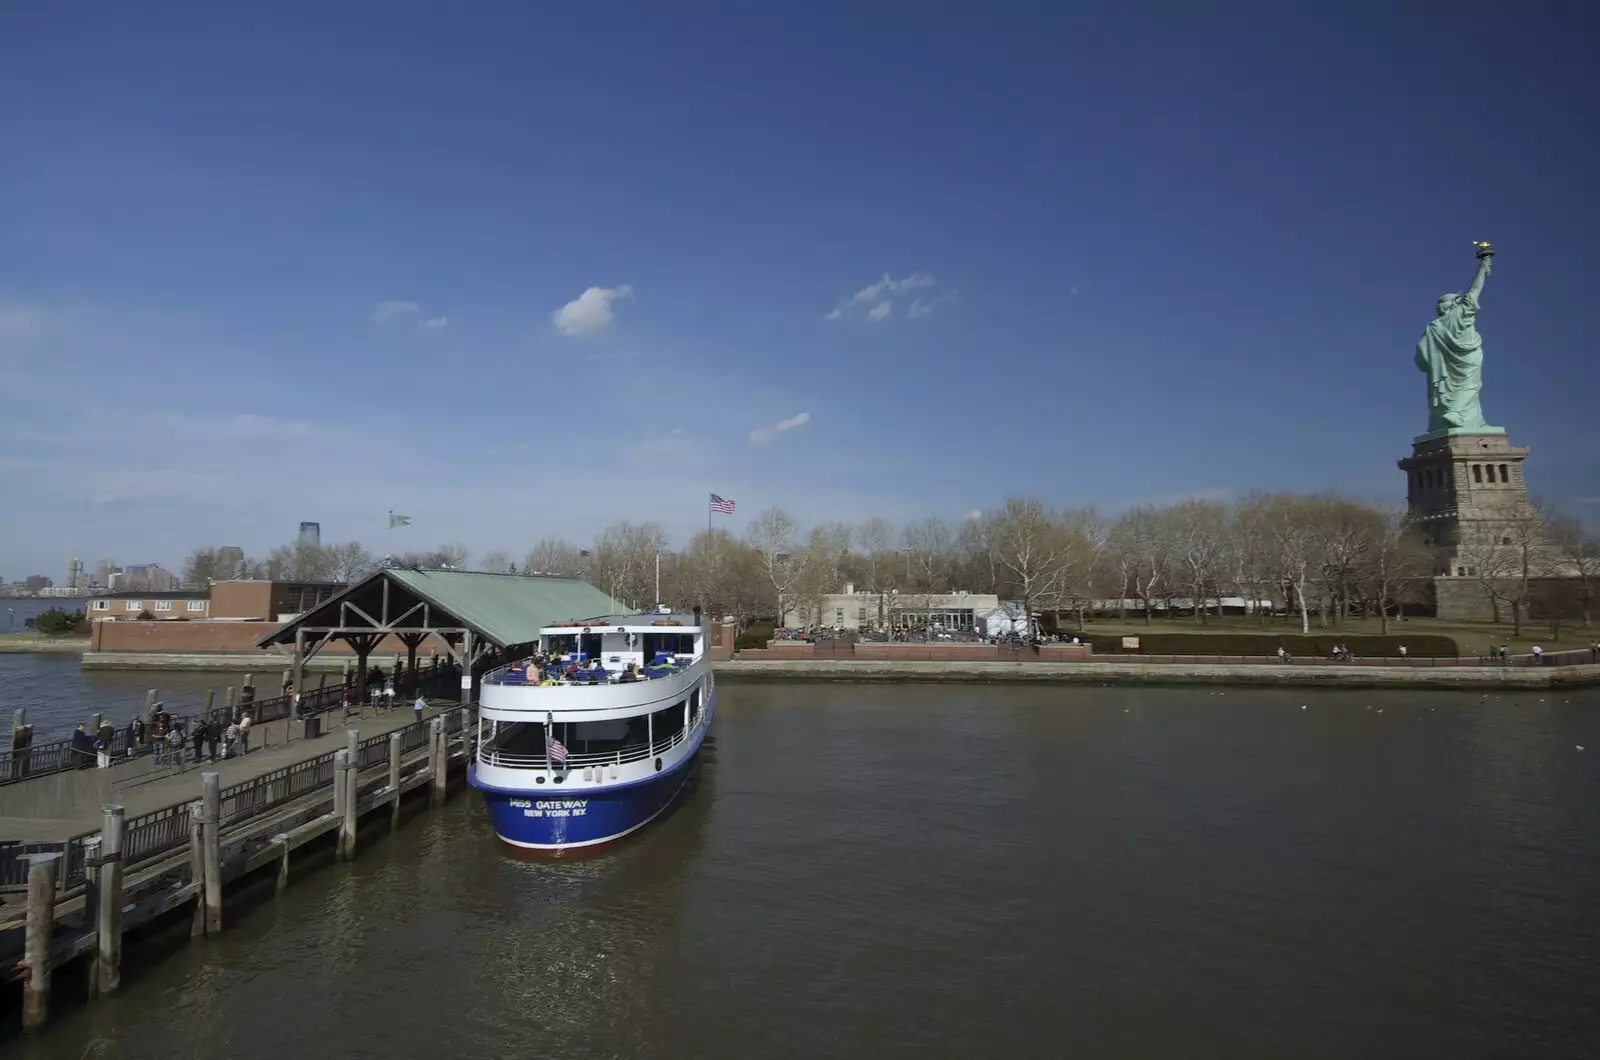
(158, 834)
(59, 755)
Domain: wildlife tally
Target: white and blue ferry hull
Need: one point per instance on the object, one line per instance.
(584, 808)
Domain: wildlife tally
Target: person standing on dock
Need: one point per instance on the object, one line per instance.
(135, 736)
(199, 741)
(244, 734)
(419, 706)
(82, 748)
(213, 733)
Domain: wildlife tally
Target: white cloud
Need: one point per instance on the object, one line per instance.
(876, 301)
(106, 500)
(433, 323)
(975, 514)
(387, 311)
(764, 435)
(590, 313)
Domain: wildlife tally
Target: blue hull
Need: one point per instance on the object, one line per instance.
(553, 820)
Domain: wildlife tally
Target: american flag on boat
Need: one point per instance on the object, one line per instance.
(721, 505)
(556, 750)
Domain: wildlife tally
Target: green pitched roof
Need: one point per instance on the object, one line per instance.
(506, 608)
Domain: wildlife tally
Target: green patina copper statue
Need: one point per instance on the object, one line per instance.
(1451, 353)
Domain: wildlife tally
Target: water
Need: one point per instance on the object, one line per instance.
(965, 872)
(58, 692)
(16, 610)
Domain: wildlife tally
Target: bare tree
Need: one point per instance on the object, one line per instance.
(1143, 544)
(1395, 556)
(624, 560)
(772, 535)
(498, 561)
(1030, 547)
(553, 555)
(349, 561)
(1291, 521)
(1506, 555)
(1199, 530)
(200, 568)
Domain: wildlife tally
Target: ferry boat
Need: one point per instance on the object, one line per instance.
(593, 737)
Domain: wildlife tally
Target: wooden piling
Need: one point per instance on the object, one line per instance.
(108, 918)
(211, 700)
(283, 862)
(342, 808)
(467, 733)
(36, 945)
(228, 701)
(91, 901)
(150, 707)
(395, 740)
(211, 848)
(436, 760)
(197, 869)
(95, 721)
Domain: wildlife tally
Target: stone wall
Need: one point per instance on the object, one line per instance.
(178, 638)
(797, 651)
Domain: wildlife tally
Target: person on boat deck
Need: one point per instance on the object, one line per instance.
(630, 673)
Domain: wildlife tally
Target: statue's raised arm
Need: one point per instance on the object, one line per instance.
(1485, 256)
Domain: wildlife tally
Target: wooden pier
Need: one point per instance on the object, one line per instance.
(181, 840)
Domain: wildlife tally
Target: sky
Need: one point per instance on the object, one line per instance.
(517, 271)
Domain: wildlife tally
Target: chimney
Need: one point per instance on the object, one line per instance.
(849, 588)
(697, 614)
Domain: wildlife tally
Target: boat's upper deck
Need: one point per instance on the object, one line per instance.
(609, 649)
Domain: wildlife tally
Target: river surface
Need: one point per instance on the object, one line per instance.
(58, 692)
(972, 871)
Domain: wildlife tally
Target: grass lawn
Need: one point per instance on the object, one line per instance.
(1473, 638)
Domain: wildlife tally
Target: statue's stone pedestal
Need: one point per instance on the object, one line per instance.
(1463, 488)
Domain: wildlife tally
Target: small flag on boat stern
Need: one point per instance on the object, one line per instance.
(556, 750)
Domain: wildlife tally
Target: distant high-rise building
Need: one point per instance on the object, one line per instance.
(35, 582)
(230, 563)
(147, 577)
(311, 535)
(74, 573)
(103, 572)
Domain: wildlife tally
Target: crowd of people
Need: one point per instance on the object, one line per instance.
(166, 739)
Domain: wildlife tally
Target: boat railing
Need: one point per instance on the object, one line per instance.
(491, 756)
(517, 674)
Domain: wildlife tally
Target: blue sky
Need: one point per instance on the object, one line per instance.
(323, 261)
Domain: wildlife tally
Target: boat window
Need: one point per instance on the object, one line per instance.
(694, 701)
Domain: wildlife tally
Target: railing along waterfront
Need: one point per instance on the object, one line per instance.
(59, 755)
(160, 833)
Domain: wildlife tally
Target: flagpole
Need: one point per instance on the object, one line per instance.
(388, 538)
(709, 513)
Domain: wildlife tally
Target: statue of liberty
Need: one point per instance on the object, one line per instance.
(1451, 353)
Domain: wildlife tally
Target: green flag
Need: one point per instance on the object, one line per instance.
(398, 520)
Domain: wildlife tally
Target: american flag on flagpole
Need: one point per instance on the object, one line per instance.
(721, 505)
(556, 750)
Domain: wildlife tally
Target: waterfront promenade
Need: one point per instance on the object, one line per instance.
(1188, 672)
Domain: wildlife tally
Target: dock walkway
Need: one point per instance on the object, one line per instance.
(273, 745)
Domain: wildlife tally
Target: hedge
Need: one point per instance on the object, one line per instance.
(754, 637)
(1423, 646)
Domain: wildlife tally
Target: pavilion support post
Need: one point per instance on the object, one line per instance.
(298, 679)
(466, 667)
